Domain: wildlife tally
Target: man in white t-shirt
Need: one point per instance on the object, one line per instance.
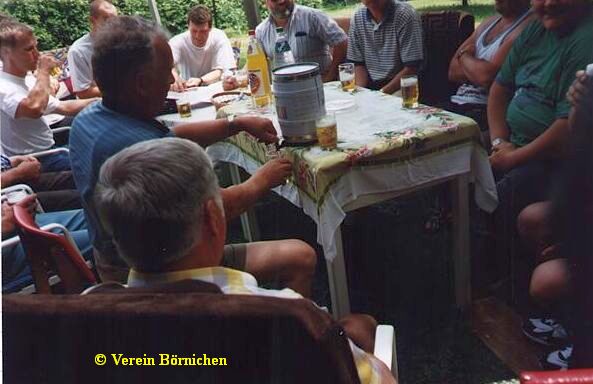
(81, 52)
(201, 53)
(22, 106)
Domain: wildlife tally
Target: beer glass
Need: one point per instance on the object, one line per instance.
(327, 131)
(347, 77)
(183, 107)
(410, 92)
(242, 78)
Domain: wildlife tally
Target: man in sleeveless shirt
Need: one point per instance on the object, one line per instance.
(478, 59)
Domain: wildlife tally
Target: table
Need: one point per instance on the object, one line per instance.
(383, 151)
(199, 98)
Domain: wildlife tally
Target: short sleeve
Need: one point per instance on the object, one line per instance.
(52, 104)
(9, 102)
(223, 57)
(409, 36)
(80, 69)
(327, 29)
(175, 44)
(355, 51)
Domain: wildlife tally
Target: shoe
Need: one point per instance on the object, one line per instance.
(558, 360)
(545, 331)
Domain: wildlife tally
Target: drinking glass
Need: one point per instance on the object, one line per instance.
(410, 92)
(347, 77)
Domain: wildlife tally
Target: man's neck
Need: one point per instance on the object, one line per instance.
(128, 107)
(378, 11)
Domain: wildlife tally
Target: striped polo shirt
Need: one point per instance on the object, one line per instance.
(310, 35)
(386, 47)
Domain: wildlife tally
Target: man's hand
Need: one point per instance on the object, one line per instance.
(504, 159)
(46, 63)
(229, 83)
(29, 170)
(505, 145)
(179, 85)
(16, 160)
(259, 127)
(273, 173)
(578, 91)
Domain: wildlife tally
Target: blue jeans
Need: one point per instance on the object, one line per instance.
(56, 162)
(16, 273)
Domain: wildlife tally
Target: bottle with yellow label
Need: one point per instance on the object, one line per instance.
(259, 76)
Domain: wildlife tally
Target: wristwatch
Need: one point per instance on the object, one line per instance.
(231, 125)
(496, 142)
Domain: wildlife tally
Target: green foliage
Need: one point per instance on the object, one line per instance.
(57, 23)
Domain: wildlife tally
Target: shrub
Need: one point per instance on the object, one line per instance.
(58, 23)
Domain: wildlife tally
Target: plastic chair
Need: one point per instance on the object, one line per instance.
(52, 252)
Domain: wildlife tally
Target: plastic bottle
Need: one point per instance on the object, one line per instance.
(282, 52)
(259, 75)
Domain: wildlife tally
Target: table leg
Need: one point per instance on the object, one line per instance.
(461, 247)
(338, 280)
(248, 219)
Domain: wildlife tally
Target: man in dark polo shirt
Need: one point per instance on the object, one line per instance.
(385, 43)
(132, 65)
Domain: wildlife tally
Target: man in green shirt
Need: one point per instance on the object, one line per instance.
(528, 110)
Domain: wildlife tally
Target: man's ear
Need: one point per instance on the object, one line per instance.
(213, 218)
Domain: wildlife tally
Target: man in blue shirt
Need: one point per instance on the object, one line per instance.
(132, 64)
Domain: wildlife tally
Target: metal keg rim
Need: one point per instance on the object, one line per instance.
(288, 77)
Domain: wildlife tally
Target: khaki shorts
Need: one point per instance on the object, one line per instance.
(234, 256)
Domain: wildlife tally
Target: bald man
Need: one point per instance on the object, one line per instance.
(80, 53)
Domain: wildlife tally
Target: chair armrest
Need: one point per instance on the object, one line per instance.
(23, 188)
(385, 349)
(11, 241)
(59, 130)
(49, 152)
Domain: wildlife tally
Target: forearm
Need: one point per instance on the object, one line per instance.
(238, 198)
(338, 57)
(36, 101)
(498, 102)
(10, 177)
(89, 93)
(394, 84)
(206, 132)
(72, 107)
(549, 145)
(362, 77)
(211, 77)
(477, 71)
(456, 74)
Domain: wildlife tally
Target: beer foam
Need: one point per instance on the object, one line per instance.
(406, 82)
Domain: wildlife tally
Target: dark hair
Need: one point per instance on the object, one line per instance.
(9, 30)
(199, 15)
(122, 47)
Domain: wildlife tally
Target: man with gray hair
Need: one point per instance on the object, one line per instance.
(81, 51)
(168, 223)
(132, 62)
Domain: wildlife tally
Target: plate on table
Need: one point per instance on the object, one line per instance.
(222, 99)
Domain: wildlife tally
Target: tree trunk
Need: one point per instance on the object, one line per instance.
(464, 3)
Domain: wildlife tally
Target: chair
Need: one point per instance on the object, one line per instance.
(571, 376)
(444, 32)
(52, 252)
(264, 339)
(16, 193)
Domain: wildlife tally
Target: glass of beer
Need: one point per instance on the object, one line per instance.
(183, 107)
(327, 131)
(242, 78)
(55, 71)
(347, 77)
(410, 92)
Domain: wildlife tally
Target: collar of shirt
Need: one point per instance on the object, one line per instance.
(387, 15)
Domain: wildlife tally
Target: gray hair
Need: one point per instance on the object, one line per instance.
(150, 198)
(9, 30)
(122, 47)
